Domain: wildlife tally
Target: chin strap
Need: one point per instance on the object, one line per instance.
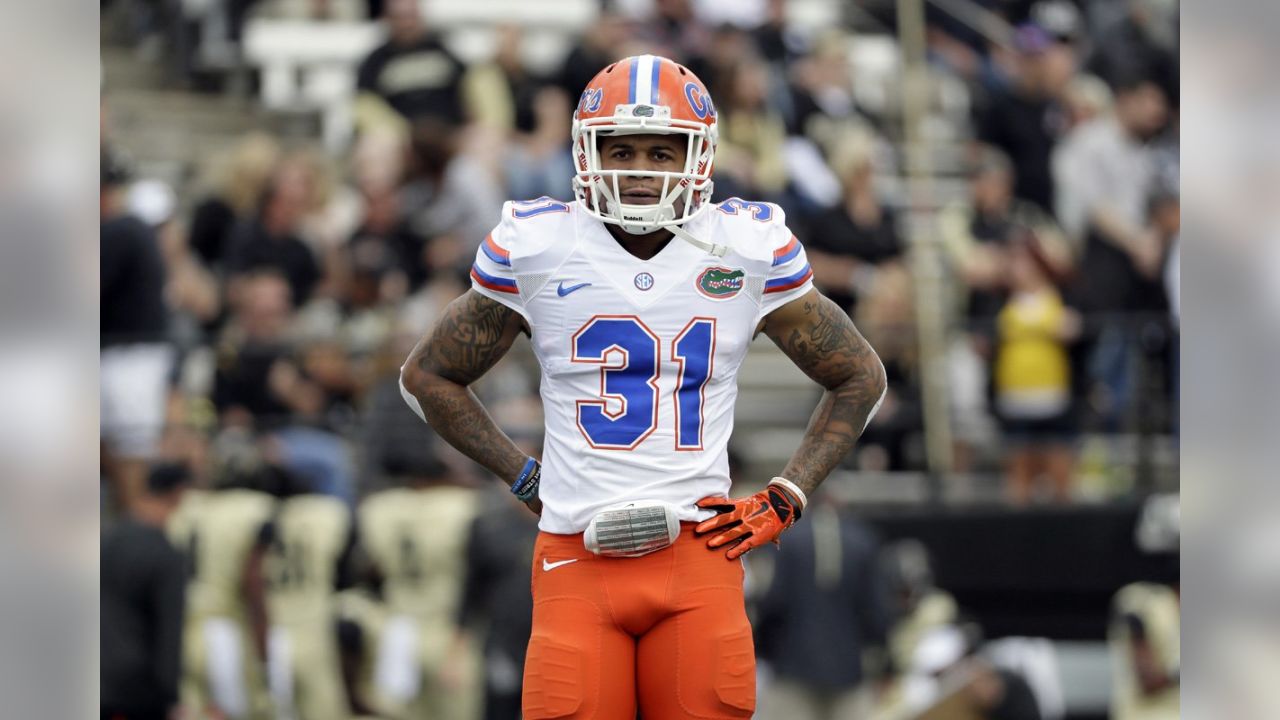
(714, 249)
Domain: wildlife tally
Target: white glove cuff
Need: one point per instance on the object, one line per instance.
(791, 488)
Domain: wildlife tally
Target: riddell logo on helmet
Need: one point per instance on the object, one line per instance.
(720, 283)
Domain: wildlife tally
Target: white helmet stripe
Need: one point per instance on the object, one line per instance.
(645, 75)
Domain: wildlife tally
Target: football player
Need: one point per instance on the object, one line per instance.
(226, 533)
(640, 299)
(314, 537)
(416, 537)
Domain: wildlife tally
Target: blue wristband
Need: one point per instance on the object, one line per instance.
(525, 488)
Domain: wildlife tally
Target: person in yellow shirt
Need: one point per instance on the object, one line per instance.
(1033, 374)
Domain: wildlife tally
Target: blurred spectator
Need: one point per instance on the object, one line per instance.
(501, 92)
(452, 199)
(1026, 119)
(530, 115)
(672, 29)
(824, 106)
(605, 41)
(1032, 375)
(749, 161)
(1141, 44)
(191, 290)
(416, 536)
(1106, 175)
(827, 605)
(143, 600)
(330, 210)
(413, 72)
(538, 163)
(976, 236)
(382, 247)
(496, 595)
(240, 185)
(319, 386)
(253, 341)
(848, 243)
(301, 392)
(715, 64)
(272, 238)
(891, 441)
(136, 359)
(1087, 98)
(394, 442)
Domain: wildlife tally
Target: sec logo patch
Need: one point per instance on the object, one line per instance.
(644, 281)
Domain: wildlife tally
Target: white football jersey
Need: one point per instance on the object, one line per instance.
(639, 357)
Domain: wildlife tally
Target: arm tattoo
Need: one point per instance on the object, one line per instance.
(469, 339)
(822, 341)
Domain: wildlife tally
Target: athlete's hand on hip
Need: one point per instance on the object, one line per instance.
(747, 523)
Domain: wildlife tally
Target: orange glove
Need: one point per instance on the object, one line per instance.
(750, 522)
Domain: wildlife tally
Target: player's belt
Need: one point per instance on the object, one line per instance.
(632, 529)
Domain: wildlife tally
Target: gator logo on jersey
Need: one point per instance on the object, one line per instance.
(720, 283)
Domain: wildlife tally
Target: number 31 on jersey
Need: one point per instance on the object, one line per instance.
(630, 358)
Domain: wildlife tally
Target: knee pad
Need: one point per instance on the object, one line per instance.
(553, 677)
(735, 671)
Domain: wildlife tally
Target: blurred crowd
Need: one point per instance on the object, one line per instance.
(254, 320)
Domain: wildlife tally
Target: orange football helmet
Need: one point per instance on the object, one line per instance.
(645, 94)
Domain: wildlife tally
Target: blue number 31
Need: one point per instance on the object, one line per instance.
(629, 355)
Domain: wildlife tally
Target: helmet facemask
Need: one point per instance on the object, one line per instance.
(598, 189)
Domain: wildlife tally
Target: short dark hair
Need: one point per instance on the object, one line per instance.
(167, 477)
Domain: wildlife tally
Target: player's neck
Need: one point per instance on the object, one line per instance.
(642, 246)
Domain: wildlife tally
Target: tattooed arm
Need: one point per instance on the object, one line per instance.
(472, 335)
(821, 340)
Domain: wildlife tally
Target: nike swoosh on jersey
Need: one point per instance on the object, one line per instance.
(561, 290)
(548, 566)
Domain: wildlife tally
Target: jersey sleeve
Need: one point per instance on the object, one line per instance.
(789, 273)
(491, 274)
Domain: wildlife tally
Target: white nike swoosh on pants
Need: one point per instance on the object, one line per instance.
(553, 565)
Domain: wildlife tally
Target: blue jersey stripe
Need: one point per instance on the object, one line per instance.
(653, 83)
(631, 91)
(784, 259)
(494, 256)
(493, 279)
(788, 280)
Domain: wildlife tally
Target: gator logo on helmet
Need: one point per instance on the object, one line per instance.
(720, 283)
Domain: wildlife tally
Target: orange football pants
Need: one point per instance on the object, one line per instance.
(666, 633)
